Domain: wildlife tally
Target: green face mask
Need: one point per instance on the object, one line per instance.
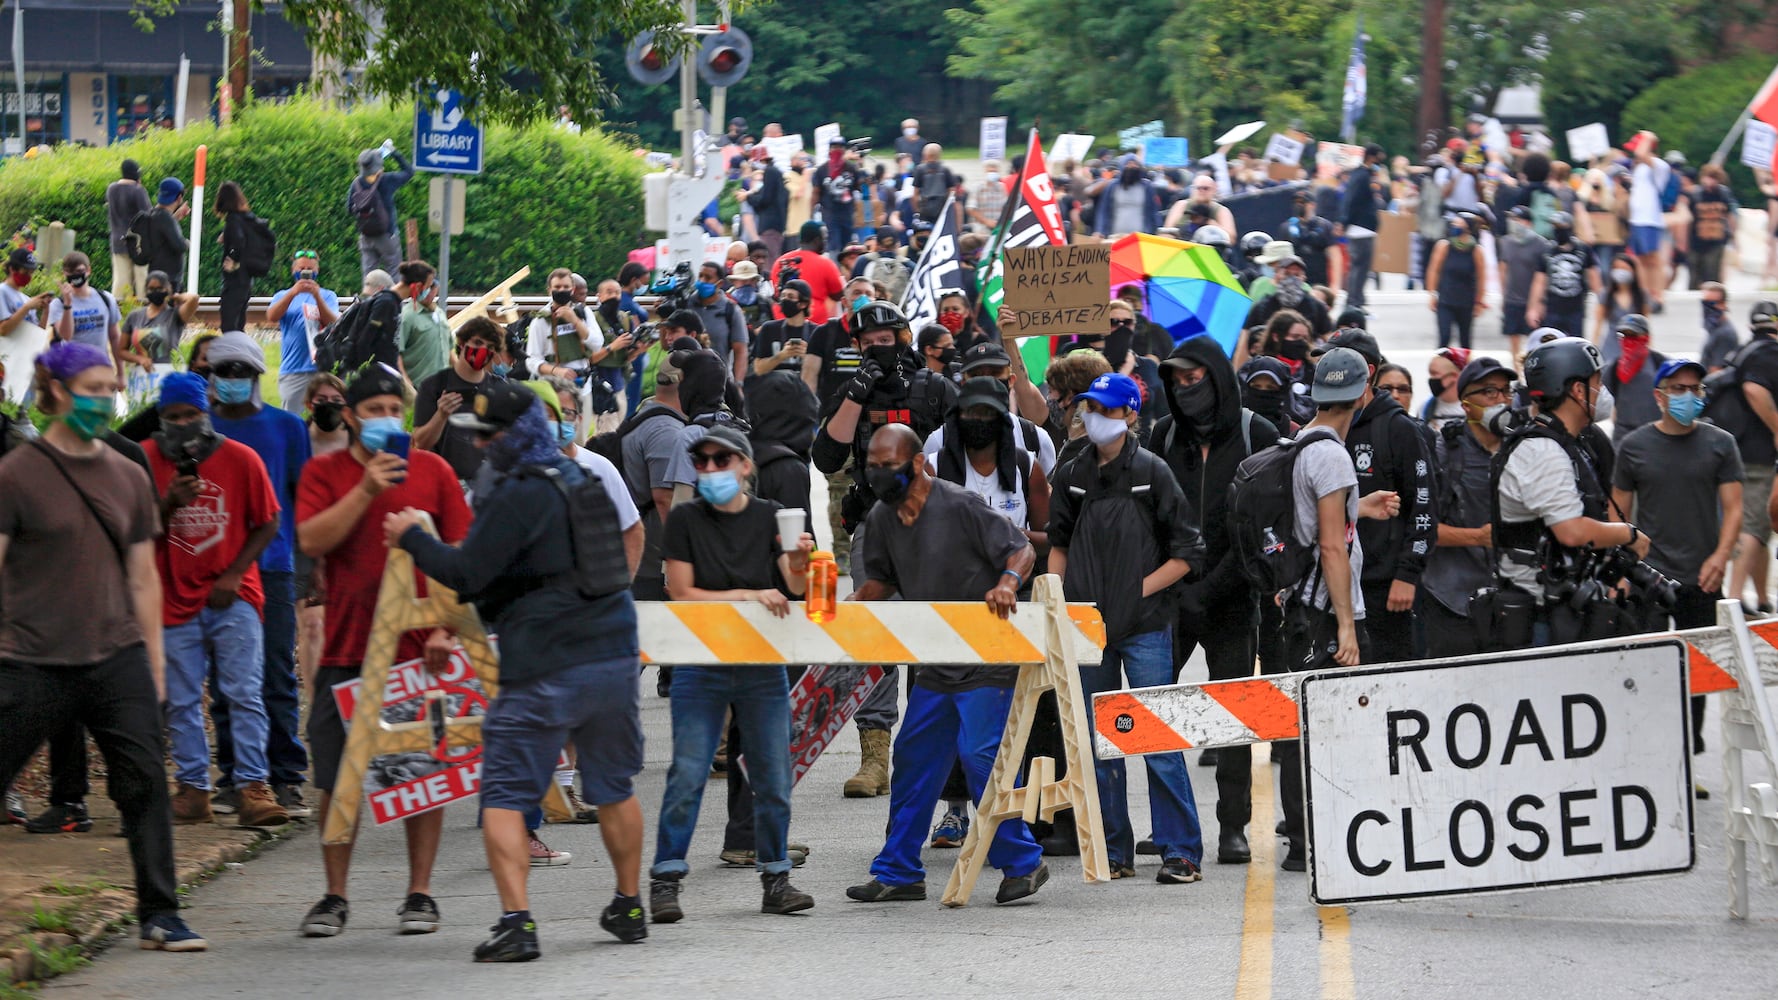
(89, 416)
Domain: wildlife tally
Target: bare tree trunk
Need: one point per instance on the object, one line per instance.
(239, 50)
(1430, 121)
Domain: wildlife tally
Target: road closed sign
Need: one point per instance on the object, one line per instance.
(1513, 771)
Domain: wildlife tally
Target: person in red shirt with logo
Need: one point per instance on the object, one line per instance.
(340, 506)
(809, 263)
(218, 513)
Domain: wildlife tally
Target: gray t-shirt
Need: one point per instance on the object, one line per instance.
(726, 328)
(1523, 259)
(1537, 484)
(1674, 478)
(95, 312)
(167, 325)
(12, 300)
(1324, 467)
(1128, 202)
(649, 453)
(1720, 341)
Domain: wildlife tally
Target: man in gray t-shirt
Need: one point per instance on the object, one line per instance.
(649, 451)
(1323, 468)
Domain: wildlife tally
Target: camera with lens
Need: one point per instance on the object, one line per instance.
(860, 145)
(671, 288)
(1621, 564)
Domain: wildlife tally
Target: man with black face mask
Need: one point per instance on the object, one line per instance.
(887, 388)
(1131, 205)
(1203, 437)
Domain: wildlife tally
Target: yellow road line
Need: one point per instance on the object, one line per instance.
(1254, 979)
(1336, 954)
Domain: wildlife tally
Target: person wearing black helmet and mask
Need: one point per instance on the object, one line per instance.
(1203, 437)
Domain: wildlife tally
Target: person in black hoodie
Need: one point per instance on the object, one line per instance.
(1204, 435)
(1390, 454)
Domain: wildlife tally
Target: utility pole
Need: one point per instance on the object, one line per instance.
(1431, 116)
(240, 44)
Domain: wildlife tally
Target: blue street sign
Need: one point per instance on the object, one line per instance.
(444, 140)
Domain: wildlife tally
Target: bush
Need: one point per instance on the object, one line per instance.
(1692, 113)
(546, 198)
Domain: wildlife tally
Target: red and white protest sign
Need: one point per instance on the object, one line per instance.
(402, 785)
(821, 703)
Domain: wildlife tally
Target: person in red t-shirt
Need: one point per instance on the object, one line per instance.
(340, 506)
(218, 513)
(812, 266)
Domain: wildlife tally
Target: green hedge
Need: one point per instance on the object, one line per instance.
(546, 198)
(1692, 113)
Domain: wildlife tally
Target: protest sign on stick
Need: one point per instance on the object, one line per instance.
(1057, 290)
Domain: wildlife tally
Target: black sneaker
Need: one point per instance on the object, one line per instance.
(326, 918)
(1148, 848)
(624, 922)
(1019, 886)
(875, 891)
(514, 940)
(291, 798)
(782, 897)
(1295, 861)
(1178, 871)
(61, 817)
(663, 901)
(419, 915)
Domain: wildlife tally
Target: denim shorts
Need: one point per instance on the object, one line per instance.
(1646, 239)
(595, 705)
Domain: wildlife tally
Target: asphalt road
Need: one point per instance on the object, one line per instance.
(1245, 932)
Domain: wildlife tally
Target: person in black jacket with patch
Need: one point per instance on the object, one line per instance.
(1204, 436)
(1122, 536)
(1391, 455)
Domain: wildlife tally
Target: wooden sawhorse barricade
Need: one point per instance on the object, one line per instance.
(1046, 639)
(499, 296)
(1731, 658)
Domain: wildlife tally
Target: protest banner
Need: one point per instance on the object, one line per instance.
(1759, 144)
(1166, 151)
(1055, 290)
(822, 701)
(1586, 142)
(404, 785)
(1333, 159)
(782, 148)
(1281, 148)
(1071, 146)
(993, 139)
(939, 269)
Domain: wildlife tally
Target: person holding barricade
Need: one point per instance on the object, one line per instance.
(545, 569)
(340, 505)
(954, 712)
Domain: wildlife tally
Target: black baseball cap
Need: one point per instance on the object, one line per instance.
(1360, 340)
(985, 355)
(22, 259)
(498, 405)
(1480, 369)
(984, 391)
(375, 380)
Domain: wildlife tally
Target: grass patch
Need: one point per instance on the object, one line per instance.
(53, 962)
(59, 920)
(61, 888)
(22, 991)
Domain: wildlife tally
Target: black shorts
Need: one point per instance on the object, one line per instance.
(1512, 320)
(327, 731)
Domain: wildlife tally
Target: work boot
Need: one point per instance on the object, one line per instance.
(191, 805)
(259, 807)
(872, 778)
(1232, 847)
(1064, 840)
(780, 896)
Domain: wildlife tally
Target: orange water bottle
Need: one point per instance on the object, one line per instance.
(821, 596)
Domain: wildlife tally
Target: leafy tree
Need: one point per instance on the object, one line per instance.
(1692, 112)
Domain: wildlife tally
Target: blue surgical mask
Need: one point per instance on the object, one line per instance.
(565, 431)
(860, 302)
(233, 391)
(501, 369)
(705, 289)
(1685, 409)
(718, 487)
(374, 432)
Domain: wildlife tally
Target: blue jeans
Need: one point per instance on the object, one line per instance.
(286, 759)
(700, 697)
(1148, 660)
(231, 639)
(937, 730)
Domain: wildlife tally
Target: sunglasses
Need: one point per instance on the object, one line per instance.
(1398, 390)
(233, 369)
(712, 459)
(310, 254)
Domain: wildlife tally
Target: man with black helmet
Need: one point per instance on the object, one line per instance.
(1550, 499)
(889, 386)
(1245, 264)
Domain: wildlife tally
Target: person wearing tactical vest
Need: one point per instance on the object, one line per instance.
(1458, 565)
(545, 570)
(725, 546)
(1550, 502)
(887, 387)
(1204, 435)
(1122, 536)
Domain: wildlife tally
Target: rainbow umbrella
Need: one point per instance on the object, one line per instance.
(1188, 289)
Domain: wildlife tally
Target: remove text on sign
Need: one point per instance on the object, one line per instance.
(1058, 290)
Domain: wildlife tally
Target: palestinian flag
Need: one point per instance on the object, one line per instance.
(1031, 218)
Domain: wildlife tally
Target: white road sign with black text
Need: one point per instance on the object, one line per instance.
(1508, 771)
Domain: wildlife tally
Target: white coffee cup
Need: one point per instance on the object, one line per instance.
(790, 526)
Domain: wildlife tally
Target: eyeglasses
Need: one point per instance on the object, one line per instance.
(1676, 391)
(1397, 390)
(712, 460)
(570, 415)
(300, 254)
(1490, 392)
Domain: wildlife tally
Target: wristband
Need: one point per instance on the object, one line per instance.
(1018, 581)
(1635, 533)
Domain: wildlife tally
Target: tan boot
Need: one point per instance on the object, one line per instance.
(191, 805)
(872, 778)
(259, 807)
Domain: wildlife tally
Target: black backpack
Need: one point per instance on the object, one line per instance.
(610, 445)
(259, 248)
(138, 240)
(1725, 405)
(1262, 516)
(600, 566)
(931, 188)
(368, 209)
(348, 343)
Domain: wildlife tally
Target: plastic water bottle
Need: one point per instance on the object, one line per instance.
(386, 148)
(821, 595)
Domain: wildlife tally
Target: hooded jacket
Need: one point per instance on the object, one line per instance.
(1390, 454)
(1204, 476)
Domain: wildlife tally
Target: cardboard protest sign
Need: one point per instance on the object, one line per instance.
(781, 148)
(1071, 146)
(1393, 253)
(1608, 229)
(1132, 137)
(993, 139)
(1057, 290)
(1333, 159)
(1166, 151)
(1283, 149)
(1758, 145)
(404, 785)
(825, 134)
(1588, 141)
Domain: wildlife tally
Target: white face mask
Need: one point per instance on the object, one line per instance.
(1101, 429)
(1490, 414)
(910, 132)
(1603, 405)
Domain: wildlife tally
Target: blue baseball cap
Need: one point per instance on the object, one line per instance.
(1112, 391)
(170, 190)
(1675, 366)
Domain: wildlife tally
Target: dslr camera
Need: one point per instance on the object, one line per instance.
(671, 287)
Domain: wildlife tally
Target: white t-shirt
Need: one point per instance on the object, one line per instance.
(1046, 448)
(1464, 196)
(12, 300)
(540, 341)
(95, 313)
(1009, 504)
(1646, 183)
(1324, 467)
(613, 481)
(1536, 485)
